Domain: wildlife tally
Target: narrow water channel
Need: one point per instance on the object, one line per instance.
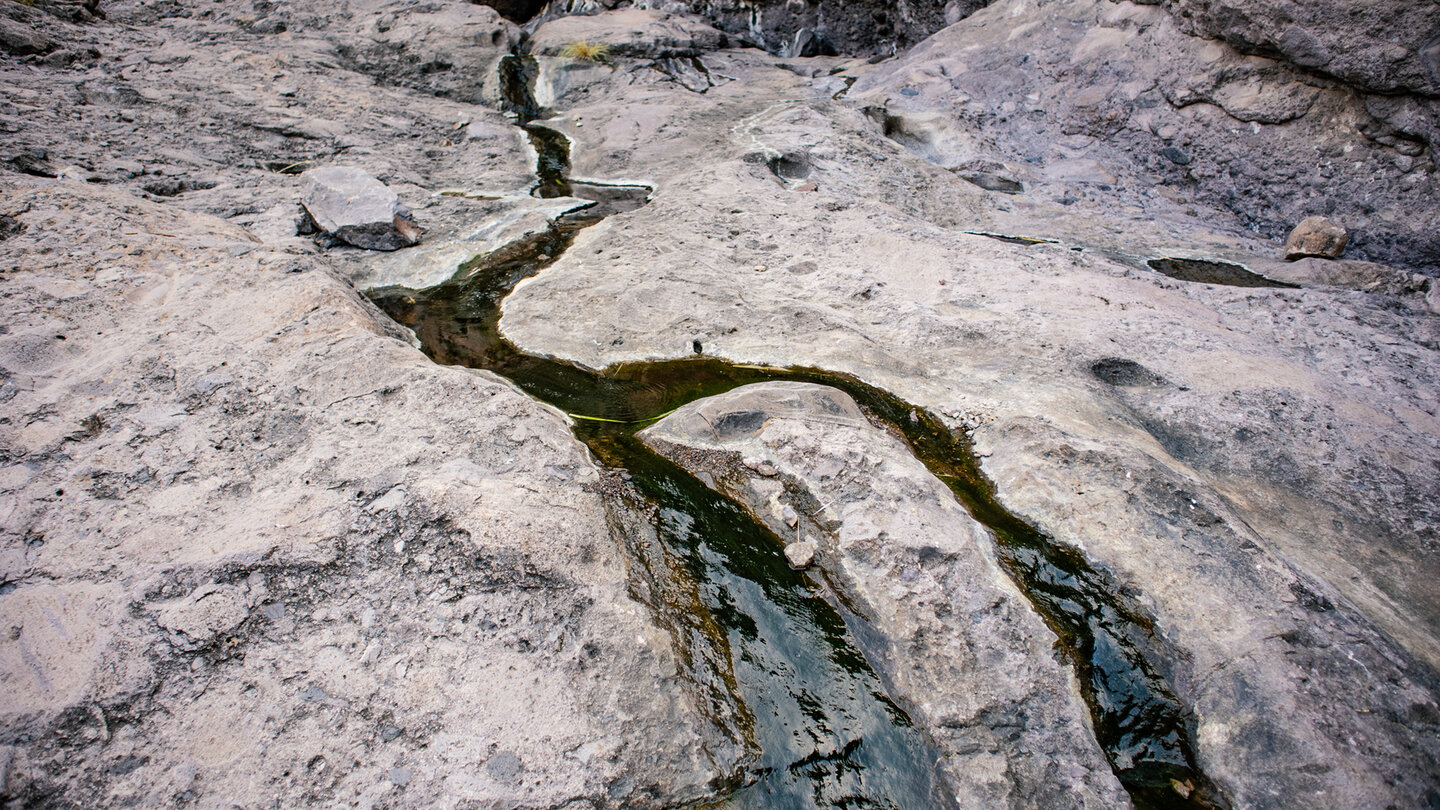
(828, 735)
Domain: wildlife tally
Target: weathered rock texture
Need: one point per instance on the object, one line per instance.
(254, 547)
(257, 549)
(260, 549)
(1086, 99)
(961, 646)
(807, 28)
(1382, 47)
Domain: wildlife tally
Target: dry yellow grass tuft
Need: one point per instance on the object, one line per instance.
(589, 51)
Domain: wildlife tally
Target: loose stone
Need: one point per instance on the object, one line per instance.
(1316, 236)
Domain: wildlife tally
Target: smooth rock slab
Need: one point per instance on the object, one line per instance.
(353, 207)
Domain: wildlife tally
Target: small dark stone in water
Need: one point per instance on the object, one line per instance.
(1119, 371)
(1205, 271)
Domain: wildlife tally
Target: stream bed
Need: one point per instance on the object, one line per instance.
(827, 734)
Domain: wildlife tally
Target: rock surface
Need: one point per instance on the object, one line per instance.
(259, 550)
(1271, 498)
(253, 552)
(812, 28)
(349, 205)
(255, 548)
(1383, 47)
(962, 648)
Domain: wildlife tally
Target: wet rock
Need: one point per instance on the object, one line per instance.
(491, 230)
(353, 207)
(1318, 237)
(957, 641)
(1273, 504)
(1248, 433)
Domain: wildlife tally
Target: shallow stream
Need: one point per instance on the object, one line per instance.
(828, 735)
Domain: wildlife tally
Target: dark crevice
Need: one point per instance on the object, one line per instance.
(1209, 271)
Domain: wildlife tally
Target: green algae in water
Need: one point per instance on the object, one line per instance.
(829, 735)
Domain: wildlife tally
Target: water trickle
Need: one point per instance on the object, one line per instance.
(827, 733)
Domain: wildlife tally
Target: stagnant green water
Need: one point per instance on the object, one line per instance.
(828, 734)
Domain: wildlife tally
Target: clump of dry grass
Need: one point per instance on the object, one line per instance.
(588, 51)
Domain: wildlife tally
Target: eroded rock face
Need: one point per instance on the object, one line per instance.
(298, 599)
(962, 648)
(632, 32)
(1114, 100)
(1229, 478)
(814, 28)
(1385, 47)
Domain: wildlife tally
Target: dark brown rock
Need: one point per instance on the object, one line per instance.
(1316, 236)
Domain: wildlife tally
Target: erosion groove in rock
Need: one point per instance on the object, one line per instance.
(1208, 271)
(1144, 730)
(256, 548)
(821, 718)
